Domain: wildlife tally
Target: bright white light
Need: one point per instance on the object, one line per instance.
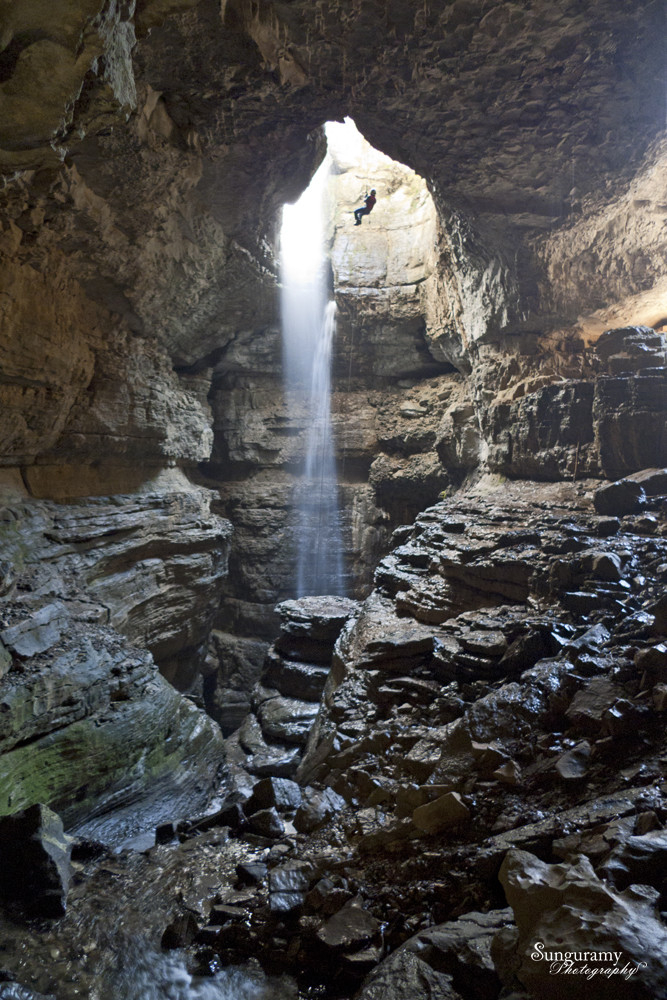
(302, 232)
(346, 142)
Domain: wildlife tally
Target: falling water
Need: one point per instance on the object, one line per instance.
(309, 326)
(145, 974)
(320, 568)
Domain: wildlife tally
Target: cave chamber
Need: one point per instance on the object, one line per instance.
(400, 787)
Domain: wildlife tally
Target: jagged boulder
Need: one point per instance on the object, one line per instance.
(350, 929)
(282, 793)
(316, 808)
(181, 932)
(639, 859)
(35, 861)
(445, 962)
(310, 626)
(288, 885)
(569, 921)
(284, 720)
(619, 498)
(267, 823)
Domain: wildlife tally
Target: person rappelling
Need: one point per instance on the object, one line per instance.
(366, 208)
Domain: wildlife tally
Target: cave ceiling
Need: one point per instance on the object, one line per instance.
(147, 147)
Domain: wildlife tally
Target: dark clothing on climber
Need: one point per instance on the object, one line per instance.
(366, 209)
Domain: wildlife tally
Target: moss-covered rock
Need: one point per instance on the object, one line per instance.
(111, 746)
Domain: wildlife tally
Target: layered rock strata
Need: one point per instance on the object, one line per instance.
(470, 598)
(384, 433)
(499, 743)
(88, 589)
(500, 109)
(129, 218)
(285, 700)
(91, 728)
(535, 407)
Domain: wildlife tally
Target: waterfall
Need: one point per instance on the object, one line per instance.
(320, 563)
(309, 326)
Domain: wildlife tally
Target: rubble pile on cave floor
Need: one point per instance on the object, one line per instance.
(492, 732)
(487, 770)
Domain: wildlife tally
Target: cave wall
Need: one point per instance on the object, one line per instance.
(94, 591)
(146, 148)
(142, 188)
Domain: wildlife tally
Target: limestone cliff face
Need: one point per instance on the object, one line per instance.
(140, 199)
(146, 148)
(90, 589)
(153, 157)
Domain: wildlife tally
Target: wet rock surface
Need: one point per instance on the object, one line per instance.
(570, 905)
(148, 563)
(451, 960)
(147, 256)
(310, 626)
(470, 785)
(35, 862)
(84, 580)
(14, 991)
(490, 725)
(285, 701)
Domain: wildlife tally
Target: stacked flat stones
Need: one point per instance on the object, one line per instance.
(286, 699)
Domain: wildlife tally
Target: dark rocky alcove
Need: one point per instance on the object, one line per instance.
(404, 791)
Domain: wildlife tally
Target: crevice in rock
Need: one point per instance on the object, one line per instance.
(11, 53)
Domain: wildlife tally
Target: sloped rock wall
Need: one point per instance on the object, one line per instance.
(152, 560)
(80, 390)
(167, 216)
(100, 736)
(92, 591)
